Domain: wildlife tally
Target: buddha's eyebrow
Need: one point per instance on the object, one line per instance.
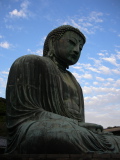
(76, 39)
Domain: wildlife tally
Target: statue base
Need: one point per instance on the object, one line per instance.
(82, 156)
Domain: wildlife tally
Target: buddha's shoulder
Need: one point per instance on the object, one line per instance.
(31, 58)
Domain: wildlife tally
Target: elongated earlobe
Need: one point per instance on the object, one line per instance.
(51, 51)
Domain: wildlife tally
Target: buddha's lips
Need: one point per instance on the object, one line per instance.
(74, 56)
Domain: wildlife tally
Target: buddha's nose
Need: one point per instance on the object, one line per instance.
(76, 49)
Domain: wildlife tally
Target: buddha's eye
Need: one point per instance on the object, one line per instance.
(72, 42)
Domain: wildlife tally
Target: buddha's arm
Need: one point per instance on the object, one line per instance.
(54, 117)
(91, 126)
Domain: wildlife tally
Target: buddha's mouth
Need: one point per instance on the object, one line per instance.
(74, 56)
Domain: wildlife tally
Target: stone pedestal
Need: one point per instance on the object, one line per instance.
(87, 156)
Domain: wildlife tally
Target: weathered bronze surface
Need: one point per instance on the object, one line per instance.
(45, 106)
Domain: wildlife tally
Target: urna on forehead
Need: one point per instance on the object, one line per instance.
(58, 32)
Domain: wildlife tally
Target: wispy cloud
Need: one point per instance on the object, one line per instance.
(38, 51)
(82, 76)
(5, 45)
(88, 24)
(1, 36)
(3, 82)
(100, 79)
(95, 17)
(22, 13)
(111, 59)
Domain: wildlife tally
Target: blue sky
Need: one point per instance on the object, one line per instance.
(24, 25)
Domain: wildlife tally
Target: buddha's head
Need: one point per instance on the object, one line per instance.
(65, 44)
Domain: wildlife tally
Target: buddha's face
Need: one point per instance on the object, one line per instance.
(68, 47)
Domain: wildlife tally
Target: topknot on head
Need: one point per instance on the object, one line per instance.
(57, 33)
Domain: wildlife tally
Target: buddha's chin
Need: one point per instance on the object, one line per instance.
(72, 62)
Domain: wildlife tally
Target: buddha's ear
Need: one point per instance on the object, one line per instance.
(51, 43)
(51, 51)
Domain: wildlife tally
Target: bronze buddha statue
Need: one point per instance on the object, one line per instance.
(45, 105)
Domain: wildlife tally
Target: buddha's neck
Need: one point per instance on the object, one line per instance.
(61, 64)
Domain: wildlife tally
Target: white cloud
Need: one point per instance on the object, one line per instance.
(1, 36)
(102, 105)
(110, 79)
(93, 69)
(117, 83)
(22, 13)
(104, 70)
(14, 27)
(87, 76)
(39, 52)
(104, 117)
(77, 76)
(118, 54)
(95, 83)
(80, 76)
(100, 54)
(42, 41)
(96, 17)
(100, 90)
(96, 61)
(3, 82)
(5, 45)
(17, 13)
(111, 59)
(116, 71)
(5, 72)
(100, 79)
(88, 24)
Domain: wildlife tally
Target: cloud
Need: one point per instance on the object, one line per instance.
(104, 69)
(5, 72)
(17, 13)
(22, 13)
(88, 24)
(5, 45)
(100, 54)
(14, 27)
(105, 118)
(85, 76)
(111, 59)
(100, 79)
(102, 105)
(97, 62)
(1, 36)
(95, 17)
(95, 83)
(110, 79)
(38, 51)
(100, 90)
(42, 41)
(3, 83)
(116, 71)
(117, 83)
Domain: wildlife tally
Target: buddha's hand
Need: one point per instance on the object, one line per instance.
(93, 127)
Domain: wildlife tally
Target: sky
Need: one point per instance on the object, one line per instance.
(24, 25)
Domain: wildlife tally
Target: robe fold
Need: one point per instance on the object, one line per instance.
(38, 120)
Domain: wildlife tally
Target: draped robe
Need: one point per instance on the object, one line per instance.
(38, 120)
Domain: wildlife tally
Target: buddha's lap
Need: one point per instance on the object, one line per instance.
(43, 135)
(48, 136)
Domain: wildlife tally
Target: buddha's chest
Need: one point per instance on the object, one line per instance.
(70, 92)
